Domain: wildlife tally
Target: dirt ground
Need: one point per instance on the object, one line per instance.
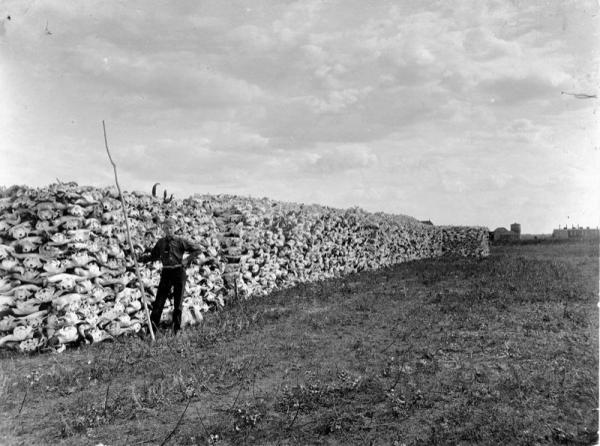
(502, 350)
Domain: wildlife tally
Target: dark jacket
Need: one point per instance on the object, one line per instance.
(170, 250)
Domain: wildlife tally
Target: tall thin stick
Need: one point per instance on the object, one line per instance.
(137, 268)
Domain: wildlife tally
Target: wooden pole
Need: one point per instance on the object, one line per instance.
(137, 268)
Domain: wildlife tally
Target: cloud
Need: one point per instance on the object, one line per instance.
(252, 38)
(422, 107)
(515, 90)
(481, 44)
(231, 137)
(337, 100)
(341, 158)
(174, 78)
(523, 131)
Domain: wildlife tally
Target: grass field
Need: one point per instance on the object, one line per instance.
(499, 351)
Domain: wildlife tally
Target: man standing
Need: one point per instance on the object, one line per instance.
(170, 250)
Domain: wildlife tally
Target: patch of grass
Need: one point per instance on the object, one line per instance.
(502, 350)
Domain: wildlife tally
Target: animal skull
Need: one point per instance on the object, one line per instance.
(93, 247)
(55, 266)
(30, 345)
(99, 293)
(83, 287)
(43, 225)
(71, 224)
(8, 323)
(67, 334)
(5, 203)
(23, 202)
(128, 295)
(5, 251)
(107, 230)
(93, 224)
(19, 232)
(9, 264)
(59, 238)
(46, 214)
(76, 211)
(70, 318)
(12, 218)
(102, 256)
(80, 235)
(27, 246)
(32, 261)
(80, 259)
(86, 198)
(45, 294)
(49, 251)
(22, 293)
(4, 226)
(66, 284)
(93, 269)
(29, 275)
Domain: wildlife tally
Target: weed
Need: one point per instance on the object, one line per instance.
(248, 415)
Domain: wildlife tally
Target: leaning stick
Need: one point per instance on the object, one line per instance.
(137, 268)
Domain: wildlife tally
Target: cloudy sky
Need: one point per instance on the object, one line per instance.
(443, 110)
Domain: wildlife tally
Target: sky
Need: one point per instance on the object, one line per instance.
(461, 112)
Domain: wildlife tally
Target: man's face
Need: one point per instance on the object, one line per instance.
(169, 229)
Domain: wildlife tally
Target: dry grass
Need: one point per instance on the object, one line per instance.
(496, 351)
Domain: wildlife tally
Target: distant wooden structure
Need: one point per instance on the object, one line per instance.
(576, 233)
(504, 235)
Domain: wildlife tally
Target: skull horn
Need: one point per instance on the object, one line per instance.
(154, 189)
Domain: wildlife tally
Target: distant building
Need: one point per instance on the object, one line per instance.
(504, 235)
(516, 228)
(427, 222)
(577, 233)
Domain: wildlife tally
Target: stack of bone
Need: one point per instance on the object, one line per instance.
(67, 277)
(465, 241)
(230, 227)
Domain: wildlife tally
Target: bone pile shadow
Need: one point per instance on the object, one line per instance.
(66, 276)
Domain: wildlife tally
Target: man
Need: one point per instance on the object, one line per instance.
(170, 250)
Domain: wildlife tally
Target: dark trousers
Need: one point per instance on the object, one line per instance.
(170, 278)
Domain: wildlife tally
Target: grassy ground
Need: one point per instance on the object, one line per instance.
(496, 351)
